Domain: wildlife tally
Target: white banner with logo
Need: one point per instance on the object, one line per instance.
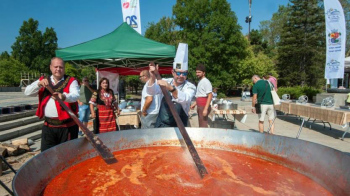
(112, 77)
(335, 38)
(131, 13)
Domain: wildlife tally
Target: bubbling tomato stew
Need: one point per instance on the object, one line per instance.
(171, 171)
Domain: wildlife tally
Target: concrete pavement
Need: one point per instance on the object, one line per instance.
(289, 127)
(16, 98)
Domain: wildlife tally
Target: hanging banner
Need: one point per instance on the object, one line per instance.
(112, 77)
(131, 13)
(335, 39)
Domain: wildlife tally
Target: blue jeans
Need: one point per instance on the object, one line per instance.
(84, 113)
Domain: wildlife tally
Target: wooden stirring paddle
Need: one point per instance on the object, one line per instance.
(95, 141)
(197, 160)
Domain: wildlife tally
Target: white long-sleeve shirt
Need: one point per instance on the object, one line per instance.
(50, 109)
(185, 93)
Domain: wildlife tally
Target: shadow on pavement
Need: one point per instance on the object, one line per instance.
(335, 133)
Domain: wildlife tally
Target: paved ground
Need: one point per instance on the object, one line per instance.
(289, 127)
(285, 126)
(16, 98)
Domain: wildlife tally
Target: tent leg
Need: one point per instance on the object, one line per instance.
(97, 79)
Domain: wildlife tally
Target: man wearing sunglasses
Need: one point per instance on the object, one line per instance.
(178, 87)
(180, 90)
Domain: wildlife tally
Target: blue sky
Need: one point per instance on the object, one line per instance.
(77, 21)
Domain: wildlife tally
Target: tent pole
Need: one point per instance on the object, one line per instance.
(118, 90)
(97, 79)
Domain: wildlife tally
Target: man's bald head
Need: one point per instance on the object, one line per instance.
(255, 78)
(146, 74)
(57, 68)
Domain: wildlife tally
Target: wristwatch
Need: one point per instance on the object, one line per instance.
(174, 89)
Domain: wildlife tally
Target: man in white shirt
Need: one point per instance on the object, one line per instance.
(58, 127)
(180, 90)
(203, 96)
(150, 104)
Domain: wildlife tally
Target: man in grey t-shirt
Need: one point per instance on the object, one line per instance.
(203, 96)
(83, 101)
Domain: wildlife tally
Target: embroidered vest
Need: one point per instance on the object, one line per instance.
(45, 95)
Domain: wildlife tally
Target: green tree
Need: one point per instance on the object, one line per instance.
(10, 70)
(134, 82)
(88, 72)
(255, 64)
(301, 49)
(48, 45)
(214, 38)
(73, 71)
(164, 31)
(258, 43)
(271, 29)
(4, 56)
(34, 48)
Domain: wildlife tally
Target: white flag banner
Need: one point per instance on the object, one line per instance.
(131, 13)
(335, 38)
(112, 77)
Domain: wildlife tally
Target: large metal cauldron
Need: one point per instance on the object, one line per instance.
(326, 166)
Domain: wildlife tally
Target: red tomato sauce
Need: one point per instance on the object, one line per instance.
(171, 171)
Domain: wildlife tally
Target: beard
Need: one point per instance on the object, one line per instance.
(180, 81)
(200, 77)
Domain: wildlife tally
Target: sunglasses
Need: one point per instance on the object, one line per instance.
(179, 73)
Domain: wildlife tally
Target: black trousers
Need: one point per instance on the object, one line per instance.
(51, 136)
(96, 124)
(165, 117)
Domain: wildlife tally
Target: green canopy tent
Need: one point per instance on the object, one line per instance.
(123, 51)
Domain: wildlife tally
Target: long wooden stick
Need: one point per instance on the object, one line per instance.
(95, 141)
(197, 160)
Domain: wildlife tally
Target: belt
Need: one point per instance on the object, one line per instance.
(57, 122)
